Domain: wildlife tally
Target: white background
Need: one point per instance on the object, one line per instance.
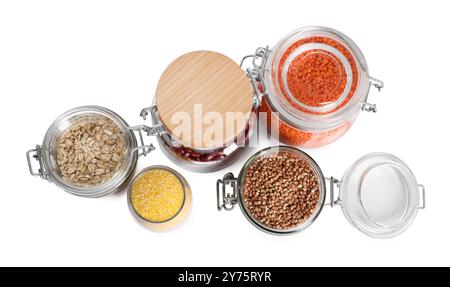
(55, 55)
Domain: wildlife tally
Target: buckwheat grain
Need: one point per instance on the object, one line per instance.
(281, 190)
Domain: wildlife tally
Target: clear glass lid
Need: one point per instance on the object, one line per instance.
(380, 196)
(317, 78)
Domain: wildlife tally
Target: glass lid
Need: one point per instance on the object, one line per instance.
(380, 196)
(317, 78)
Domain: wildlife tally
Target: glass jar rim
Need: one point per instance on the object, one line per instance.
(313, 165)
(180, 178)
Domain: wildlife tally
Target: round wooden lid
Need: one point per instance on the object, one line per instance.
(204, 99)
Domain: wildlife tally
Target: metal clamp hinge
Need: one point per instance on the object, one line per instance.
(147, 111)
(226, 200)
(259, 58)
(256, 72)
(376, 83)
(367, 107)
(333, 183)
(157, 128)
(37, 155)
(143, 149)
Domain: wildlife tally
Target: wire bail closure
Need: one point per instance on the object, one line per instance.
(367, 107)
(37, 155)
(333, 183)
(226, 200)
(143, 149)
(157, 128)
(256, 72)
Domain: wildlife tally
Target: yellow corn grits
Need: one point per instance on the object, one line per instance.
(157, 195)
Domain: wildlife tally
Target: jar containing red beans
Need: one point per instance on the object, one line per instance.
(315, 81)
(203, 111)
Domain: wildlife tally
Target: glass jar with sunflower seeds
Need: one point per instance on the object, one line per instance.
(89, 151)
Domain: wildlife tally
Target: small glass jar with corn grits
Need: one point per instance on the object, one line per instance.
(159, 198)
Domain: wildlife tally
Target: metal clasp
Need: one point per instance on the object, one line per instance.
(147, 111)
(225, 199)
(422, 188)
(376, 83)
(143, 149)
(37, 155)
(259, 58)
(256, 72)
(157, 128)
(333, 183)
(367, 107)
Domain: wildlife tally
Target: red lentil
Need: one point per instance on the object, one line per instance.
(314, 78)
(293, 136)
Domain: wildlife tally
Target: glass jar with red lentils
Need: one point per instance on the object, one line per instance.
(315, 82)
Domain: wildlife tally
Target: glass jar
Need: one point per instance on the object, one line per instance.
(47, 154)
(378, 194)
(178, 217)
(195, 96)
(315, 82)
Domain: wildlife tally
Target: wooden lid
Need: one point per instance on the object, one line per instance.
(204, 99)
